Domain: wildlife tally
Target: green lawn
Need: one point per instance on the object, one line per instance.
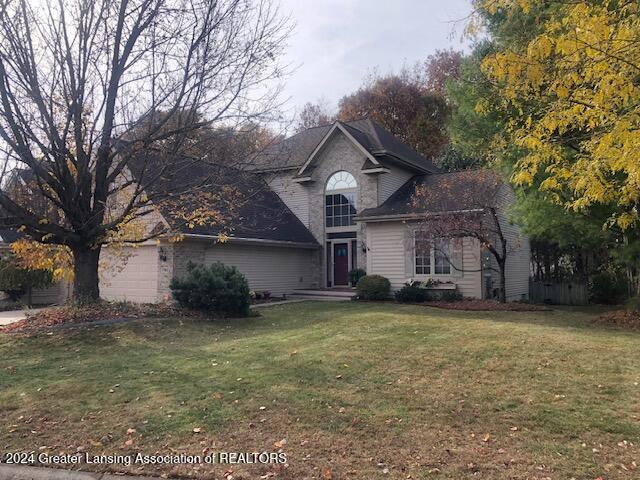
(356, 390)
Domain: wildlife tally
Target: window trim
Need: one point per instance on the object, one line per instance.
(432, 259)
(352, 202)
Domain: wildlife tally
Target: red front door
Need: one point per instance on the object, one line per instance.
(340, 264)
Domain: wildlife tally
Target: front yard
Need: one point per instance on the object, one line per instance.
(346, 390)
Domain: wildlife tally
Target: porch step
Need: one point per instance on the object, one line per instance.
(323, 294)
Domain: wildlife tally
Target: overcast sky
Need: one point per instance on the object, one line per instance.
(337, 42)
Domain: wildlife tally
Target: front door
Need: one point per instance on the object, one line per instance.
(340, 264)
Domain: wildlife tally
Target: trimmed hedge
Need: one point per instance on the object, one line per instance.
(412, 293)
(373, 287)
(215, 288)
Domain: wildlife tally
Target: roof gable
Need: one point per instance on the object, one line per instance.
(335, 129)
(379, 146)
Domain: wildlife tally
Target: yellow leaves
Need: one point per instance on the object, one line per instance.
(482, 107)
(522, 177)
(540, 48)
(54, 258)
(562, 91)
(627, 219)
(572, 103)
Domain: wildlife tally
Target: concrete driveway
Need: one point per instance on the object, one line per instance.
(14, 315)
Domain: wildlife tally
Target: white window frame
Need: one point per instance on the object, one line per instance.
(432, 258)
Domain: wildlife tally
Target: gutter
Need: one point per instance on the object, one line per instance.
(254, 241)
(403, 161)
(411, 216)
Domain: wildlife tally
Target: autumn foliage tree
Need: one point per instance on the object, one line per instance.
(314, 115)
(77, 76)
(574, 95)
(402, 104)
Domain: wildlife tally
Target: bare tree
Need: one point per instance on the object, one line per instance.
(91, 90)
(466, 204)
(314, 115)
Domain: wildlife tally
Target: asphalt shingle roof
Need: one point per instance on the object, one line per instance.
(450, 187)
(294, 151)
(259, 211)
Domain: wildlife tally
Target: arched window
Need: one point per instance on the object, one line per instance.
(340, 200)
(341, 181)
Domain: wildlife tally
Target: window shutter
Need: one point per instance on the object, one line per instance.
(456, 257)
(409, 255)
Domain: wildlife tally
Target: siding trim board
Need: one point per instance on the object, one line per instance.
(257, 241)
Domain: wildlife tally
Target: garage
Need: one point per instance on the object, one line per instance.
(134, 280)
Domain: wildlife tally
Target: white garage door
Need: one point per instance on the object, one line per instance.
(136, 280)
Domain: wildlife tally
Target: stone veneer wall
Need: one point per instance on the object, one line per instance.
(339, 154)
(178, 256)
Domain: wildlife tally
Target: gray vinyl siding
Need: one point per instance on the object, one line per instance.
(56, 294)
(518, 252)
(280, 270)
(387, 243)
(294, 195)
(388, 183)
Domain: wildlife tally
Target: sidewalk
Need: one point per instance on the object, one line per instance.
(25, 472)
(15, 315)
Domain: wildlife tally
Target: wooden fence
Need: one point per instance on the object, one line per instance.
(564, 293)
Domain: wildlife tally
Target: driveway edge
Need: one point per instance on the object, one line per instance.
(27, 472)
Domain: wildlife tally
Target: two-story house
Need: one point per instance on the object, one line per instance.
(342, 193)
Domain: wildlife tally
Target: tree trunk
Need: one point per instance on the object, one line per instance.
(85, 275)
(502, 293)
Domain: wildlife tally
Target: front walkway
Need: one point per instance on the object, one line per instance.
(323, 294)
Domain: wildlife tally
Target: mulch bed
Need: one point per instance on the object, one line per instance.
(487, 305)
(69, 315)
(629, 319)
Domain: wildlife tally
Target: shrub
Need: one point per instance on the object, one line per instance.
(451, 295)
(373, 287)
(608, 287)
(411, 293)
(355, 275)
(213, 288)
(16, 281)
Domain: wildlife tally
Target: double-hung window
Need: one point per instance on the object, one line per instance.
(431, 255)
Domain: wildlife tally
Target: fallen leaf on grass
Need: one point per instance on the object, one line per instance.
(280, 444)
(131, 431)
(197, 430)
(217, 396)
(327, 474)
(486, 438)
